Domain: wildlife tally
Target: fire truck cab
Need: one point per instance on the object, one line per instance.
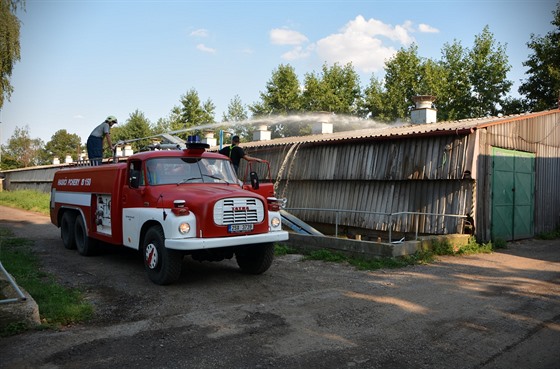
(168, 204)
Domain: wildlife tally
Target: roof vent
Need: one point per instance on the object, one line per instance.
(262, 133)
(424, 111)
(324, 125)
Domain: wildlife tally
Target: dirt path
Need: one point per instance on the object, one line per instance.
(485, 311)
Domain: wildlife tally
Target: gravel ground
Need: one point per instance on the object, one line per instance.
(499, 310)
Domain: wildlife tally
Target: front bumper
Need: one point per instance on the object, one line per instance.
(210, 243)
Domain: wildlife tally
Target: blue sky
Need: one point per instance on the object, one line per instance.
(84, 60)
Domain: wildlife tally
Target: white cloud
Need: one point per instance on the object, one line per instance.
(205, 49)
(201, 32)
(367, 44)
(361, 42)
(78, 116)
(297, 52)
(427, 28)
(281, 36)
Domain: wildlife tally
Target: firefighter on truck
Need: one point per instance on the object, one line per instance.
(168, 204)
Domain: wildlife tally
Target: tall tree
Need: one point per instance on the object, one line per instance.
(374, 101)
(9, 45)
(455, 101)
(136, 130)
(61, 144)
(282, 94)
(21, 151)
(336, 90)
(542, 87)
(488, 72)
(282, 97)
(236, 116)
(402, 82)
(193, 113)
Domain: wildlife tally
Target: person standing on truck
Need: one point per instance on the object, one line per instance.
(95, 140)
(236, 153)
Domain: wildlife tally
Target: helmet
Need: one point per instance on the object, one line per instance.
(111, 119)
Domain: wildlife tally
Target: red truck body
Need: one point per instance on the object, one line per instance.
(168, 204)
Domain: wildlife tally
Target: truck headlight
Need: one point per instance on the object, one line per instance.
(184, 228)
(275, 222)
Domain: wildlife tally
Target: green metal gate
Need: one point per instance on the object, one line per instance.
(513, 189)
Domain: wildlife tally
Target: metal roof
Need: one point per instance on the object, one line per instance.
(396, 131)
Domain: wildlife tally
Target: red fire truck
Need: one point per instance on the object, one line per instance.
(168, 204)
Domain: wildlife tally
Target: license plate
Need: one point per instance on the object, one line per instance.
(235, 228)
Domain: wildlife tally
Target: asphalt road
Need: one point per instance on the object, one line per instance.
(499, 310)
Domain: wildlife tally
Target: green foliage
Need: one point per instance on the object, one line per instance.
(466, 83)
(542, 87)
(552, 235)
(282, 94)
(336, 90)
(488, 67)
(438, 247)
(9, 45)
(137, 126)
(58, 305)
(402, 76)
(61, 144)
(21, 150)
(26, 200)
(281, 249)
(282, 97)
(499, 243)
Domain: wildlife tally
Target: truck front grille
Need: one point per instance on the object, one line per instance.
(242, 210)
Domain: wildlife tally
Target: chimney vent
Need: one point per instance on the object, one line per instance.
(324, 125)
(262, 133)
(424, 112)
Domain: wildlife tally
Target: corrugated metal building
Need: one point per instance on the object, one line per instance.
(503, 173)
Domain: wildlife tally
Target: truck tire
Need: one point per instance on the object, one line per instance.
(162, 265)
(67, 225)
(255, 259)
(86, 246)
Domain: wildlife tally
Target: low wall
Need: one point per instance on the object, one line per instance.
(369, 249)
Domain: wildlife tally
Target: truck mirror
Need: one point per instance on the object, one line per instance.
(134, 179)
(254, 180)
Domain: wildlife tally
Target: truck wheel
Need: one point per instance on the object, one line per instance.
(67, 224)
(162, 264)
(84, 244)
(255, 259)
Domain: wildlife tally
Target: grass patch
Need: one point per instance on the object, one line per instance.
(282, 249)
(421, 257)
(27, 200)
(552, 235)
(367, 264)
(58, 305)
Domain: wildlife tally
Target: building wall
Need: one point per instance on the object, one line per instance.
(538, 134)
(420, 174)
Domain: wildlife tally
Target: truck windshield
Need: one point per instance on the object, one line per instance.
(161, 171)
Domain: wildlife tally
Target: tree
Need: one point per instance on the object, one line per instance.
(9, 45)
(192, 113)
(136, 130)
(21, 150)
(61, 144)
(373, 103)
(282, 98)
(488, 72)
(542, 87)
(454, 102)
(282, 94)
(402, 82)
(236, 115)
(336, 90)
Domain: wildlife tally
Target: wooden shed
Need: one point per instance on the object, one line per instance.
(496, 177)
